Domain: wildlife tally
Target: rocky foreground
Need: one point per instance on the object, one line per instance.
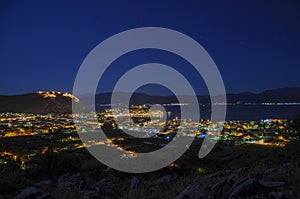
(241, 183)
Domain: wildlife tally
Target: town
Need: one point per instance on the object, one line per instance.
(266, 132)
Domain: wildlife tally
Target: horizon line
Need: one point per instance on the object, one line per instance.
(161, 95)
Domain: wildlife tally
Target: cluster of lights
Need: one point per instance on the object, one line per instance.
(54, 94)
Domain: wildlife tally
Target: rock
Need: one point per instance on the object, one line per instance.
(222, 188)
(166, 180)
(39, 190)
(247, 188)
(192, 191)
(135, 182)
(64, 178)
(98, 185)
(243, 170)
(76, 181)
(232, 179)
(268, 176)
(46, 196)
(219, 174)
(27, 193)
(90, 195)
(272, 184)
(45, 186)
(277, 195)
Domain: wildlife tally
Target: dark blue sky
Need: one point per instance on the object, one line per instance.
(255, 44)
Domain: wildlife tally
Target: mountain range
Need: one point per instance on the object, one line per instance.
(57, 102)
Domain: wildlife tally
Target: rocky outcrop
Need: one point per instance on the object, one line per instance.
(40, 190)
(135, 182)
(226, 184)
(74, 182)
(247, 188)
(232, 184)
(27, 193)
(192, 191)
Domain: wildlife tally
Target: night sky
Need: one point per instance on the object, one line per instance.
(255, 44)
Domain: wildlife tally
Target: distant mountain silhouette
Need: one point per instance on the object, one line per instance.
(55, 102)
(136, 98)
(282, 95)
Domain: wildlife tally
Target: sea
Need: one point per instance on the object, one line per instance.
(245, 112)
